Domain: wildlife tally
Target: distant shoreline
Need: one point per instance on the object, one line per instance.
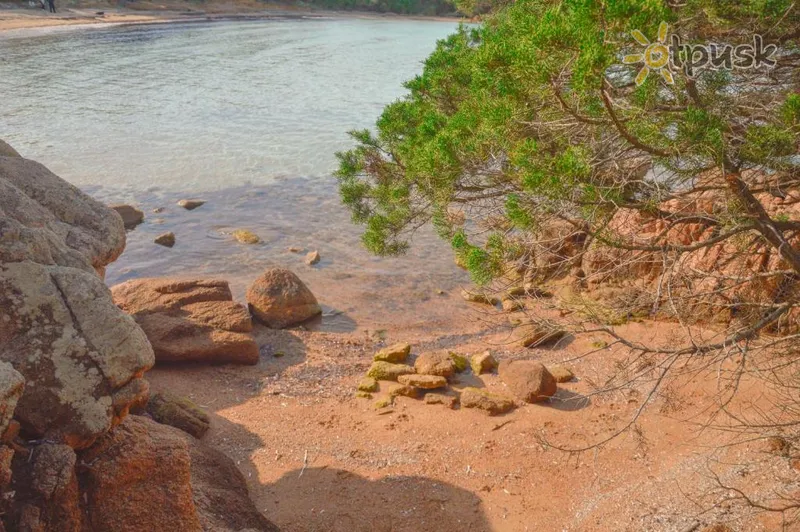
(20, 19)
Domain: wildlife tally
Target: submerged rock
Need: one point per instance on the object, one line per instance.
(528, 380)
(386, 371)
(394, 353)
(243, 236)
(190, 320)
(481, 399)
(312, 258)
(278, 298)
(166, 239)
(191, 204)
(179, 412)
(131, 216)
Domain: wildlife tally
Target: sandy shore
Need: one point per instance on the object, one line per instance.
(147, 13)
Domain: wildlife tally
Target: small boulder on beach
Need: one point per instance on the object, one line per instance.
(166, 239)
(435, 363)
(528, 380)
(394, 353)
(191, 204)
(180, 413)
(386, 371)
(426, 382)
(131, 216)
(483, 363)
(492, 404)
(278, 299)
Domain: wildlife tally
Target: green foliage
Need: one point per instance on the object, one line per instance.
(533, 113)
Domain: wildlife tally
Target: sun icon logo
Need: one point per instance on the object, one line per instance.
(654, 57)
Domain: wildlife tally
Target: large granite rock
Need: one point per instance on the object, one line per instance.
(82, 359)
(46, 220)
(279, 298)
(190, 320)
(147, 476)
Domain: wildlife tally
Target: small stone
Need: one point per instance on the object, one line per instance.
(426, 382)
(243, 236)
(394, 353)
(474, 297)
(405, 391)
(561, 373)
(386, 371)
(441, 399)
(386, 402)
(515, 291)
(131, 216)
(483, 363)
(191, 204)
(279, 354)
(294, 250)
(461, 363)
(529, 380)
(363, 395)
(435, 363)
(513, 305)
(368, 384)
(312, 257)
(166, 239)
(158, 210)
(537, 333)
(481, 399)
(179, 412)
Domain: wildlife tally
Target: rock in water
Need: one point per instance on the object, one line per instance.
(180, 413)
(394, 353)
(279, 298)
(166, 239)
(481, 399)
(243, 236)
(7, 151)
(131, 216)
(529, 380)
(191, 204)
(435, 363)
(312, 258)
(190, 320)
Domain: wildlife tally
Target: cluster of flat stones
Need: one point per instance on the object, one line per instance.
(432, 374)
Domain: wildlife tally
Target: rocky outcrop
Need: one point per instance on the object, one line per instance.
(7, 151)
(278, 298)
(82, 358)
(147, 476)
(190, 321)
(528, 380)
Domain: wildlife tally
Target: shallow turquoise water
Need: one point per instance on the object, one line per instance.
(203, 106)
